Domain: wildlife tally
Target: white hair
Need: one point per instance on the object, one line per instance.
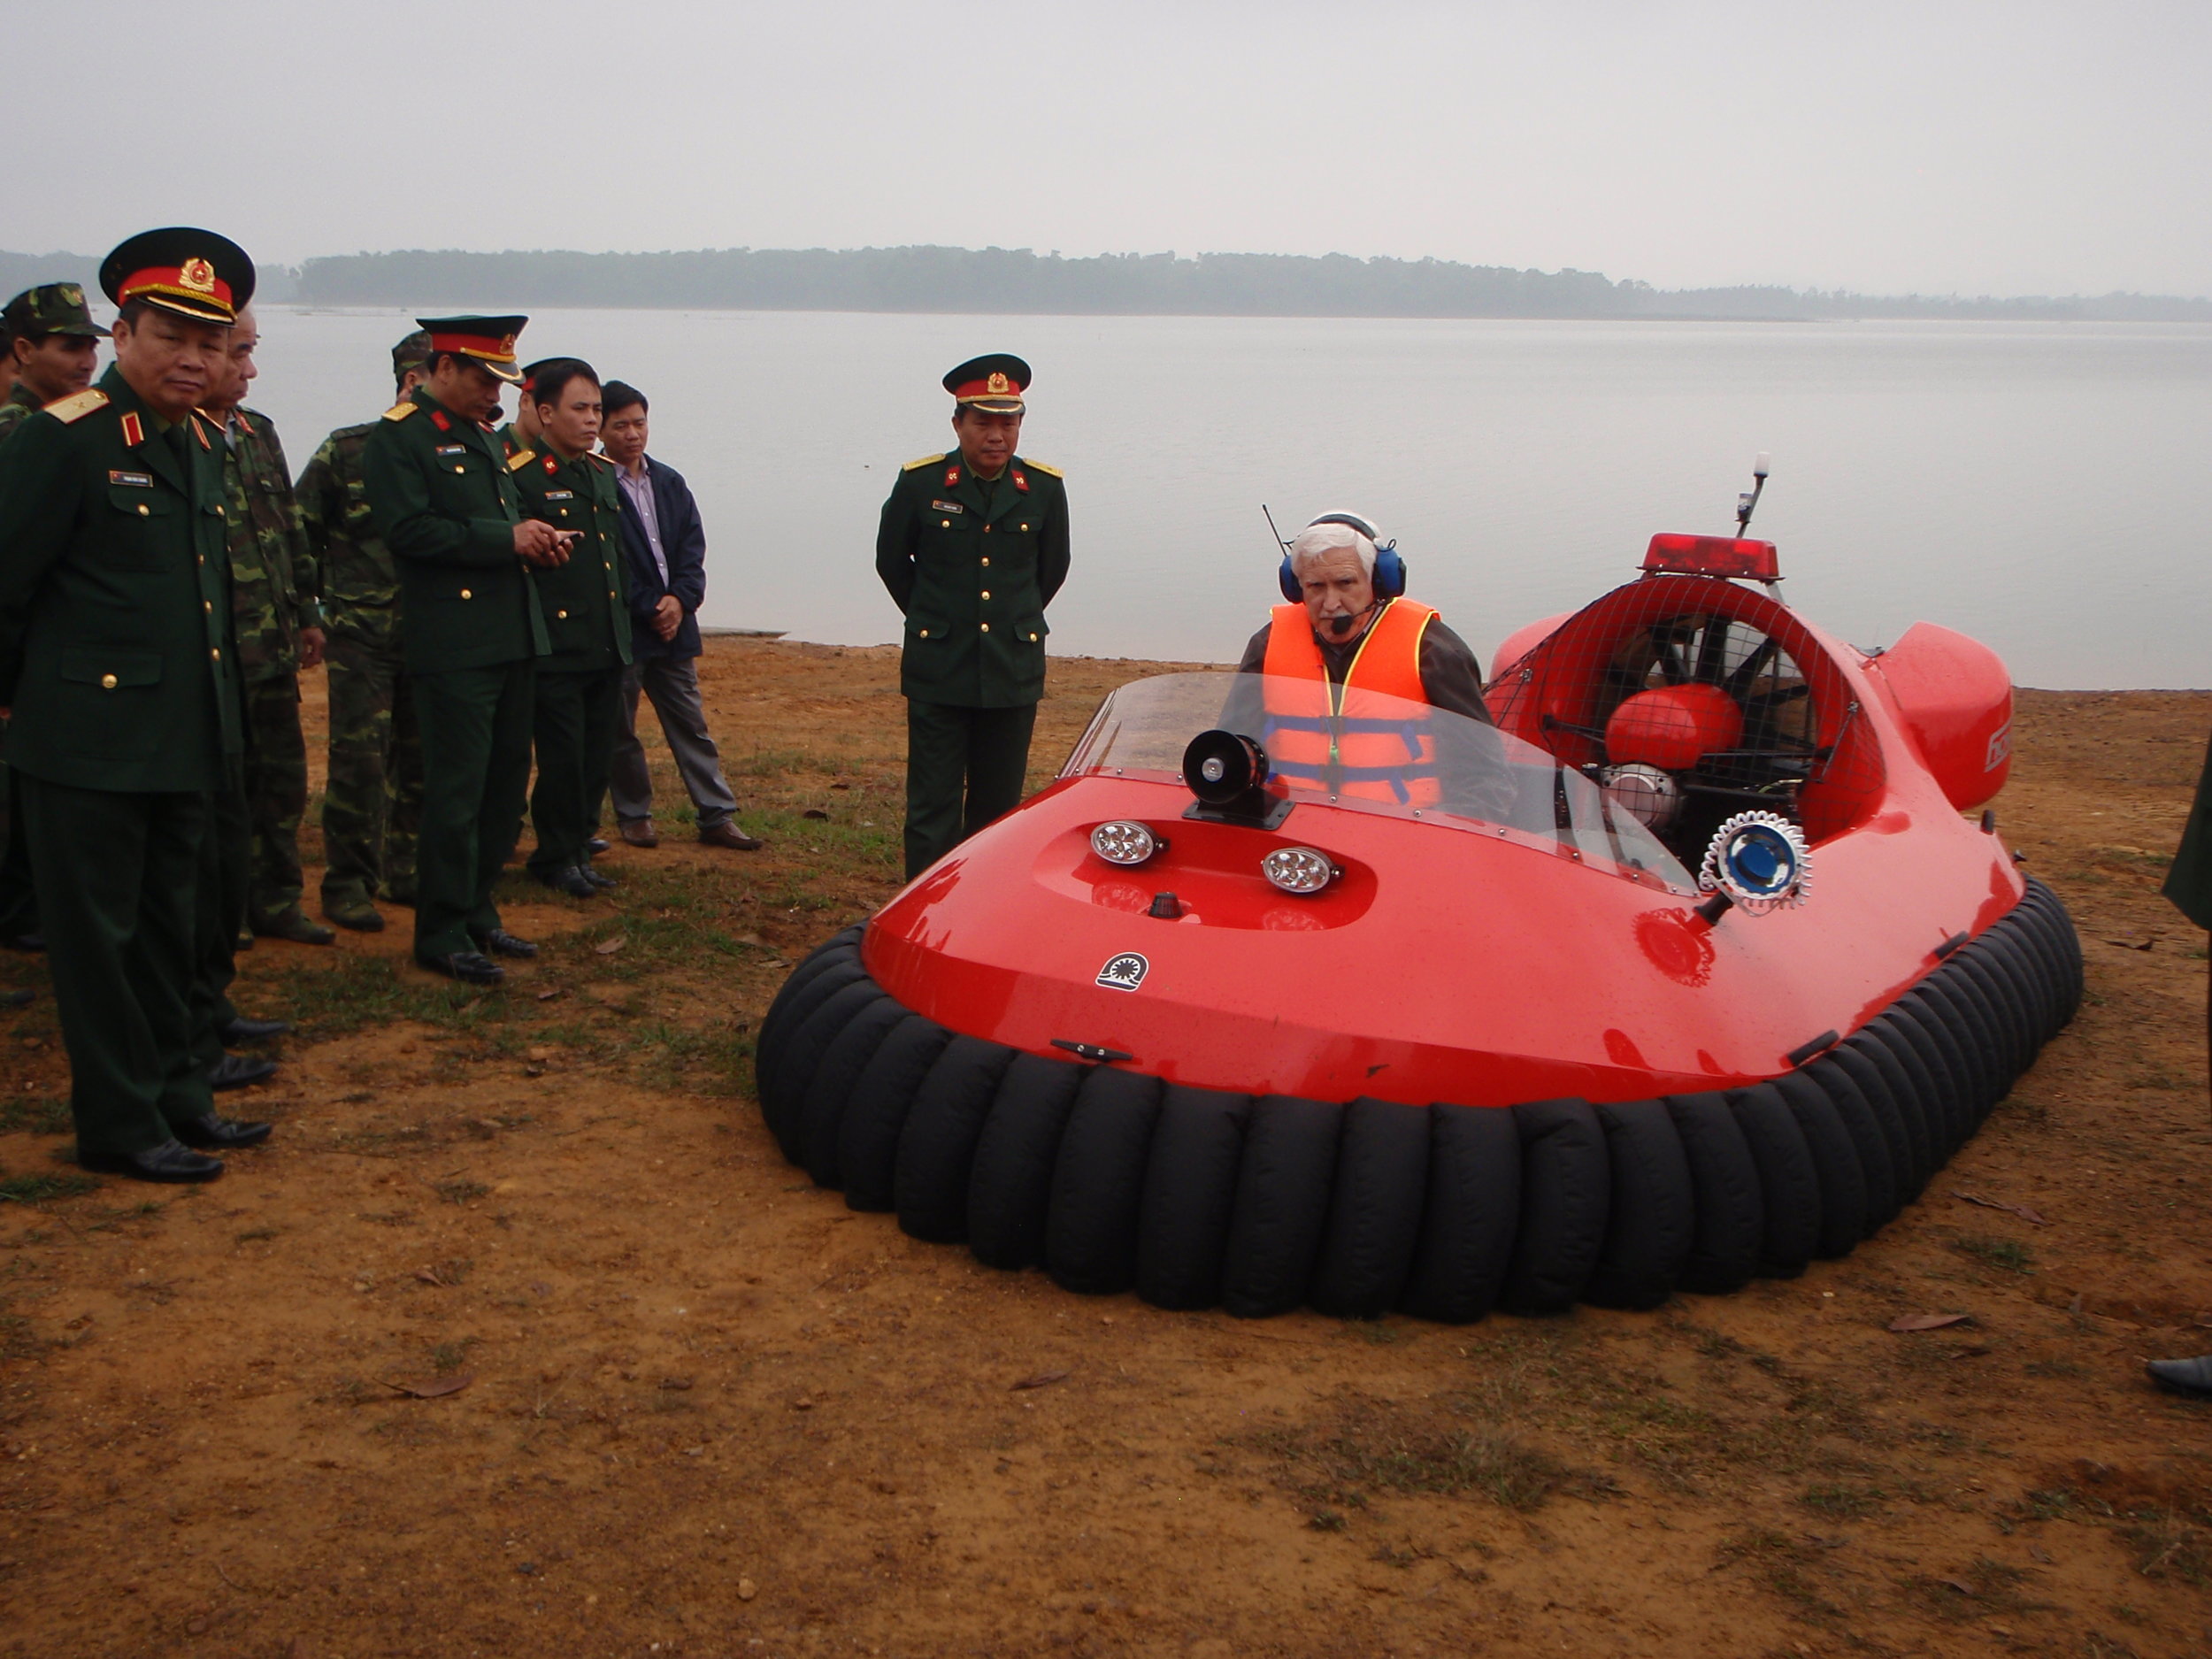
(1317, 539)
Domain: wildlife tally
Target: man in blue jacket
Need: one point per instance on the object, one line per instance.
(667, 549)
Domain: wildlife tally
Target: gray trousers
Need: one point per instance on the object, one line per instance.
(672, 683)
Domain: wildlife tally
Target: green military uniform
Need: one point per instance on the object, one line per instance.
(115, 657)
(273, 588)
(972, 562)
(443, 500)
(372, 799)
(586, 612)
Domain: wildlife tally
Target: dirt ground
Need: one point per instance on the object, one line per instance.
(672, 1399)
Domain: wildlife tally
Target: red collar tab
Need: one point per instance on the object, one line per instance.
(952, 476)
(1711, 556)
(244, 426)
(438, 420)
(200, 432)
(134, 432)
(1021, 482)
(193, 283)
(552, 465)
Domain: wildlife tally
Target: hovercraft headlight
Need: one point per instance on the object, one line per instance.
(1760, 860)
(1124, 842)
(1299, 869)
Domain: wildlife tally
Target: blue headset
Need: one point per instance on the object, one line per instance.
(1390, 570)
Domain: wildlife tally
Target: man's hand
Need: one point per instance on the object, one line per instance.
(668, 616)
(537, 542)
(311, 644)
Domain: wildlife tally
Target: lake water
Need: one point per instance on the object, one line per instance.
(2045, 487)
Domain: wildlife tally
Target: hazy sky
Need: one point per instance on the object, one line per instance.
(1977, 147)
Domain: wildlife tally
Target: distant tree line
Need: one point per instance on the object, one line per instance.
(1000, 280)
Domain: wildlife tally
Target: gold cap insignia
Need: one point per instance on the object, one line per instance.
(196, 274)
(507, 345)
(998, 385)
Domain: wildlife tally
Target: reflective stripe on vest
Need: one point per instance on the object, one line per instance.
(1316, 737)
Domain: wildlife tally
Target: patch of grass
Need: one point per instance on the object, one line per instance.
(1378, 1446)
(2009, 1254)
(1778, 1563)
(460, 1192)
(1324, 1521)
(35, 1115)
(447, 1358)
(2168, 1543)
(254, 1235)
(35, 1189)
(1842, 1503)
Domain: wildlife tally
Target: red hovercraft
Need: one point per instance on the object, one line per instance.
(1559, 1014)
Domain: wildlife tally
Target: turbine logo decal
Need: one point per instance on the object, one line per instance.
(1124, 973)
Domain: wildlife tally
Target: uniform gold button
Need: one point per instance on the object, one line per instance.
(218, 655)
(987, 561)
(610, 593)
(986, 529)
(987, 627)
(144, 512)
(107, 683)
(1024, 526)
(986, 593)
(924, 633)
(942, 524)
(1033, 639)
(221, 513)
(560, 616)
(564, 512)
(208, 605)
(458, 467)
(466, 594)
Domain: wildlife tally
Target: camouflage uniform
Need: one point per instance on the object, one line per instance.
(273, 590)
(373, 800)
(19, 403)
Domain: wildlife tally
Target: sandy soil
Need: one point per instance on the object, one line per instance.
(674, 1401)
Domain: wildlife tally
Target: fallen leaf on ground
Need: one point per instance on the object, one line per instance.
(816, 812)
(1042, 1379)
(2021, 1211)
(435, 1388)
(611, 946)
(429, 1276)
(803, 1404)
(2129, 944)
(547, 997)
(1953, 1583)
(1929, 1321)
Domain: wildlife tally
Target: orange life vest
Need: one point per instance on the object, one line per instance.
(1317, 736)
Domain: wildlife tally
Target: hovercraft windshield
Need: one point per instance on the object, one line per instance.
(1371, 753)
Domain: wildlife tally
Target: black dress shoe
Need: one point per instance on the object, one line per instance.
(470, 965)
(596, 845)
(601, 882)
(171, 1161)
(30, 944)
(244, 1030)
(500, 942)
(2184, 1375)
(212, 1133)
(235, 1071)
(571, 879)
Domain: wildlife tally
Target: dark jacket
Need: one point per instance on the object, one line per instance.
(115, 629)
(973, 565)
(684, 545)
(440, 497)
(586, 617)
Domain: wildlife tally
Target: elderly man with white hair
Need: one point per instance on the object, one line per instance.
(1348, 630)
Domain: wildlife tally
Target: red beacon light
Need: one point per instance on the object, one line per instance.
(1724, 556)
(1711, 556)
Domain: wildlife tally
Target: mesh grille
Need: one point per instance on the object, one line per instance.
(1804, 750)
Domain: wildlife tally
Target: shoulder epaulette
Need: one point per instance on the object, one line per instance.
(1039, 466)
(401, 411)
(927, 460)
(77, 406)
(520, 458)
(594, 455)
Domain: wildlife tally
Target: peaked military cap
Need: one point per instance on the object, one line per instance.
(489, 340)
(413, 353)
(191, 272)
(996, 383)
(51, 308)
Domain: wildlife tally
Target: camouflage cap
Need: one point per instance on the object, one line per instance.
(52, 308)
(412, 353)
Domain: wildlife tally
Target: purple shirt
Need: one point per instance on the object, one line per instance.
(637, 489)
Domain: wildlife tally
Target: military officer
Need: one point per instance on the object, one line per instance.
(116, 659)
(441, 498)
(972, 546)
(52, 347)
(372, 799)
(279, 623)
(586, 609)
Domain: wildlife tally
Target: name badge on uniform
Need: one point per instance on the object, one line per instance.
(453, 448)
(560, 494)
(946, 506)
(133, 480)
